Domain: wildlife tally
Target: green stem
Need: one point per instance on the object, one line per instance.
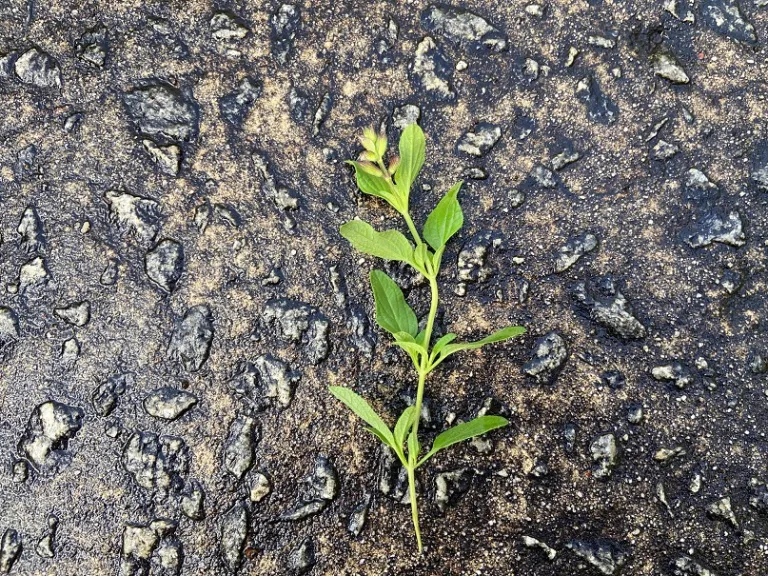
(412, 228)
(413, 456)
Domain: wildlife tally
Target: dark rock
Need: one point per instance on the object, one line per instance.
(530, 542)
(303, 509)
(608, 306)
(92, 47)
(569, 438)
(407, 114)
(168, 403)
(9, 327)
(302, 558)
(320, 488)
(30, 229)
(574, 249)
(725, 18)
(549, 355)
(463, 28)
(33, 277)
(157, 463)
(46, 546)
(234, 533)
(614, 379)
(666, 65)
(478, 141)
(10, 550)
(358, 517)
(451, 486)
(192, 337)
(759, 495)
(472, 262)
(234, 107)
(675, 372)
(151, 549)
(298, 104)
(285, 25)
(265, 380)
(393, 477)
(261, 487)
(757, 362)
(227, 27)
(76, 314)
(38, 68)
(715, 226)
(563, 159)
(135, 215)
(162, 113)
(109, 274)
(295, 321)
(600, 108)
(698, 187)
(104, 398)
(321, 113)
(663, 150)
(543, 177)
(240, 446)
(431, 72)
(48, 432)
(687, 566)
(192, 504)
(605, 453)
(164, 264)
(605, 555)
(721, 510)
(167, 158)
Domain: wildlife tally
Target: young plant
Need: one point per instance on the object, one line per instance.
(392, 182)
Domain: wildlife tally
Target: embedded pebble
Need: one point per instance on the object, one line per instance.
(169, 403)
(191, 339)
(164, 264)
(549, 355)
(604, 452)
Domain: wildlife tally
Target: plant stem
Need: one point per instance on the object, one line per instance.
(413, 457)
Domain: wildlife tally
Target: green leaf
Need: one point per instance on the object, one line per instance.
(498, 336)
(445, 220)
(404, 424)
(390, 244)
(422, 259)
(409, 344)
(412, 150)
(413, 447)
(442, 342)
(392, 311)
(370, 183)
(464, 431)
(359, 406)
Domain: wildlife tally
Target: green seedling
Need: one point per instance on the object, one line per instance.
(392, 182)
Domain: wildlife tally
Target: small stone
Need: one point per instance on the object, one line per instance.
(30, 230)
(664, 455)
(163, 113)
(9, 327)
(301, 560)
(192, 504)
(569, 438)
(549, 355)
(10, 549)
(167, 158)
(46, 546)
(715, 226)
(104, 398)
(663, 150)
(109, 274)
(261, 487)
(405, 115)
(234, 533)
(234, 107)
(168, 403)
(92, 47)
(134, 214)
(725, 18)
(285, 24)
(574, 249)
(478, 141)
(531, 542)
(602, 42)
(687, 566)
(70, 352)
(543, 177)
(38, 68)
(45, 440)
(298, 322)
(19, 471)
(226, 27)
(563, 159)
(240, 446)
(472, 262)
(463, 28)
(157, 463)
(265, 380)
(605, 555)
(33, 276)
(675, 372)
(604, 452)
(516, 198)
(600, 108)
(191, 339)
(164, 264)
(76, 314)
(608, 306)
(431, 72)
(635, 414)
(721, 510)
(451, 486)
(666, 65)
(358, 517)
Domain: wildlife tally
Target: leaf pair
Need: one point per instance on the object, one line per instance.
(444, 347)
(396, 440)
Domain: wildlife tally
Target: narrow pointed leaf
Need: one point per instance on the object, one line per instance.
(359, 406)
(392, 311)
(404, 424)
(409, 344)
(413, 447)
(390, 244)
(498, 336)
(412, 148)
(442, 342)
(464, 431)
(445, 220)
